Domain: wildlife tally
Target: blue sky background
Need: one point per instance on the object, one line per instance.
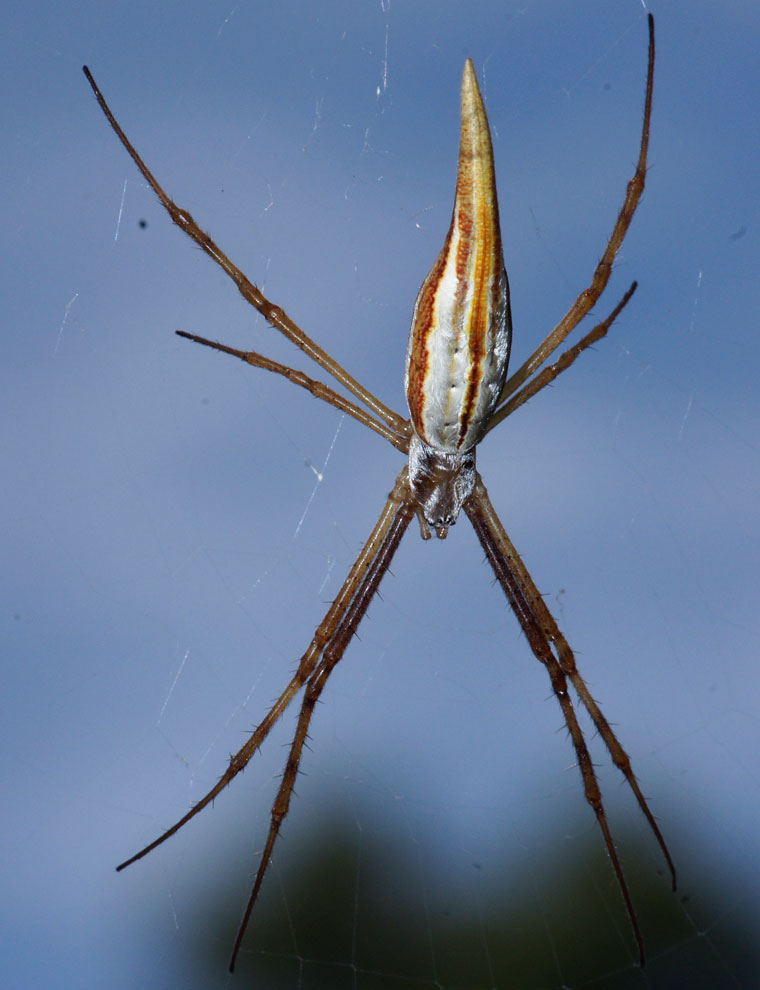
(174, 522)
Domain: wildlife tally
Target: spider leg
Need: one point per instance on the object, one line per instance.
(589, 296)
(317, 388)
(551, 648)
(343, 606)
(567, 662)
(274, 315)
(547, 374)
(380, 549)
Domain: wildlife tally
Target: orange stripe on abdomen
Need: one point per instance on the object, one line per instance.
(459, 340)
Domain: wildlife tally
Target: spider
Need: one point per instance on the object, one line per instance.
(457, 391)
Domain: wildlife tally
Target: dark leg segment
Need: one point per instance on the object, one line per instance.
(332, 653)
(551, 648)
(325, 650)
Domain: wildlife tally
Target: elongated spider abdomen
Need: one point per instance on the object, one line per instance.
(458, 352)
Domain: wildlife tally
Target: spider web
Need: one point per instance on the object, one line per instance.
(173, 552)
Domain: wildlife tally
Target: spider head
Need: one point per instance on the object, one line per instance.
(441, 482)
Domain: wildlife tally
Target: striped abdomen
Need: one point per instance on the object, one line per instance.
(456, 363)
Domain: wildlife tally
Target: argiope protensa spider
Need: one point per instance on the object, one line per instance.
(457, 391)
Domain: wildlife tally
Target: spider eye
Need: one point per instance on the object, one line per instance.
(441, 520)
(441, 525)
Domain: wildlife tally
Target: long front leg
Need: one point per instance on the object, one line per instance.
(384, 545)
(343, 606)
(550, 648)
